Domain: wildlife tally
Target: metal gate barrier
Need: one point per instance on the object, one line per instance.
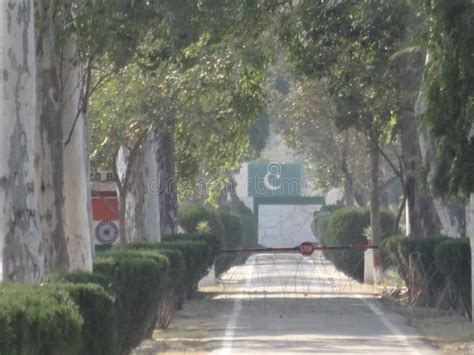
(306, 270)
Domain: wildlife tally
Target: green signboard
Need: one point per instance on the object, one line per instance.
(274, 179)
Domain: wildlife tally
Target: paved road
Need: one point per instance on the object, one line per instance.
(287, 304)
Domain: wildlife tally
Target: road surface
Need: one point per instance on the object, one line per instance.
(287, 304)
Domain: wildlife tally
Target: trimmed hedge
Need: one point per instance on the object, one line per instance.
(99, 331)
(191, 215)
(248, 228)
(439, 260)
(137, 282)
(453, 259)
(232, 228)
(38, 320)
(109, 311)
(320, 226)
(346, 227)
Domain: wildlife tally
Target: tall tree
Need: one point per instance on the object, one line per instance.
(349, 43)
(62, 150)
(21, 246)
(450, 94)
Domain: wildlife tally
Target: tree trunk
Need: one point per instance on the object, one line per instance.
(77, 205)
(142, 208)
(451, 215)
(375, 205)
(49, 145)
(470, 230)
(20, 237)
(62, 149)
(120, 174)
(349, 197)
(422, 219)
(166, 159)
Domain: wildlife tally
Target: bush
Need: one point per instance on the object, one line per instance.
(99, 331)
(212, 241)
(346, 227)
(320, 226)
(232, 228)
(198, 252)
(137, 281)
(248, 228)
(80, 277)
(453, 259)
(106, 312)
(190, 216)
(394, 251)
(38, 320)
(438, 260)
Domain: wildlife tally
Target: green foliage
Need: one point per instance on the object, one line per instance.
(453, 259)
(349, 43)
(450, 94)
(233, 230)
(198, 253)
(220, 99)
(38, 320)
(346, 227)
(320, 226)
(80, 277)
(258, 135)
(249, 231)
(88, 291)
(191, 215)
(212, 241)
(248, 226)
(99, 331)
(321, 221)
(438, 260)
(137, 283)
(394, 251)
(397, 250)
(106, 312)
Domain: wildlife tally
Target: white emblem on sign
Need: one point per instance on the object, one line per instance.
(273, 170)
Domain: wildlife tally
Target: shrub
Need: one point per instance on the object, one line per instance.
(198, 251)
(80, 277)
(175, 279)
(394, 251)
(99, 331)
(232, 228)
(453, 259)
(320, 226)
(108, 311)
(423, 253)
(190, 216)
(346, 227)
(38, 320)
(213, 242)
(249, 231)
(198, 259)
(438, 260)
(137, 282)
(248, 227)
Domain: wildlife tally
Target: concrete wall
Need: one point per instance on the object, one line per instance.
(285, 225)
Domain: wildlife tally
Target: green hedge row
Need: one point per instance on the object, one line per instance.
(440, 261)
(226, 224)
(109, 311)
(235, 226)
(345, 226)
